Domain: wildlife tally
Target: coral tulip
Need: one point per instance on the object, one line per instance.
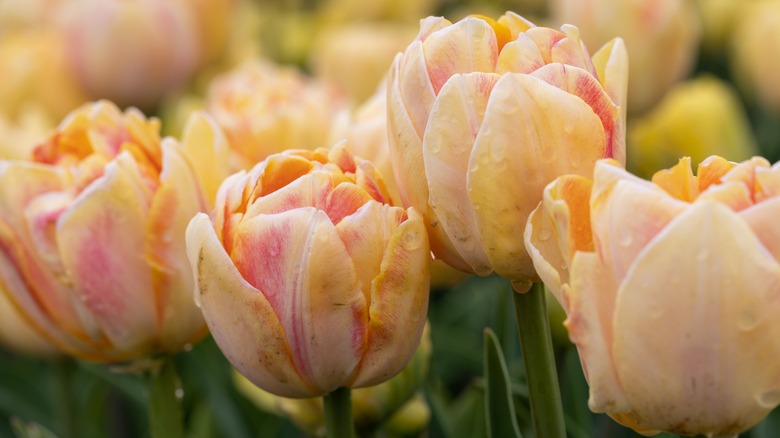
(671, 290)
(483, 114)
(309, 281)
(92, 233)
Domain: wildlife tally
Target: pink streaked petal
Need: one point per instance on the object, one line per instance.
(368, 178)
(467, 46)
(415, 93)
(745, 173)
(240, 318)
(456, 120)
(582, 84)
(102, 244)
(298, 261)
(365, 235)
(572, 51)
(611, 65)
(399, 302)
(430, 25)
(312, 190)
(526, 147)
(41, 215)
(177, 200)
(545, 38)
(345, 200)
(519, 56)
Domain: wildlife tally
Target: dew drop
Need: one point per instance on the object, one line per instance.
(482, 270)
(179, 393)
(702, 255)
(747, 320)
(626, 240)
(768, 399)
(521, 286)
(411, 241)
(544, 234)
(434, 147)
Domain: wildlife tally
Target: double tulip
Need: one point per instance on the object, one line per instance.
(308, 279)
(671, 290)
(482, 114)
(92, 233)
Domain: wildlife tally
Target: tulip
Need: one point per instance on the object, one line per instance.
(18, 138)
(17, 334)
(92, 233)
(265, 109)
(308, 280)
(482, 114)
(755, 47)
(662, 37)
(698, 118)
(671, 290)
(157, 44)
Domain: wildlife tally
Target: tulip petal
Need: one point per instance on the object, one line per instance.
(365, 235)
(515, 23)
(399, 303)
(519, 56)
(102, 244)
(239, 316)
(619, 233)
(767, 182)
(207, 150)
(412, 87)
(455, 121)
(611, 64)
(467, 46)
(732, 194)
(762, 219)
(524, 146)
(557, 228)
(591, 299)
(678, 181)
(708, 366)
(711, 170)
(177, 200)
(297, 260)
(572, 51)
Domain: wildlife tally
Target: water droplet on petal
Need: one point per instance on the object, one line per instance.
(411, 241)
(626, 240)
(544, 234)
(521, 286)
(768, 399)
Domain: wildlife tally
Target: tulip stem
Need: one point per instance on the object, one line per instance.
(338, 413)
(165, 416)
(536, 342)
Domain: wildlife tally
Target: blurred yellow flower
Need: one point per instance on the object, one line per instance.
(698, 118)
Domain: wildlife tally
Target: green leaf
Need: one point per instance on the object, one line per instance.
(499, 407)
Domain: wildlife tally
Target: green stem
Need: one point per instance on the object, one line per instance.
(536, 342)
(165, 417)
(338, 413)
(64, 370)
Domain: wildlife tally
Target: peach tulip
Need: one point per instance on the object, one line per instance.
(92, 233)
(483, 114)
(265, 109)
(308, 280)
(671, 290)
(662, 37)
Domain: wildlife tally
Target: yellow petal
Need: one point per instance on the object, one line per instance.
(525, 147)
(708, 292)
(399, 303)
(207, 151)
(455, 121)
(239, 317)
(678, 181)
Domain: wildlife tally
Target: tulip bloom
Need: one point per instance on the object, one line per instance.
(309, 281)
(482, 114)
(755, 49)
(265, 109)
(671, 290)
(92, 233)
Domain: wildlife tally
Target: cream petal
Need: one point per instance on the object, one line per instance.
(611, 65)
(101, 238)
(732, 194)
(240, 318)
(525, 147)
(557, 228)
(207, 150)
(407, 157)
(619, 233)
(545, 39)
(515, 23)
(455, 121)
(519, 56)
(591, 299)
(399, 302)
(365, 235)
(767, 182)
(300, 264)
(762, 219)
(708, 292)
(415, 93)
(571, 50)
(467, 46)
(176, 201)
